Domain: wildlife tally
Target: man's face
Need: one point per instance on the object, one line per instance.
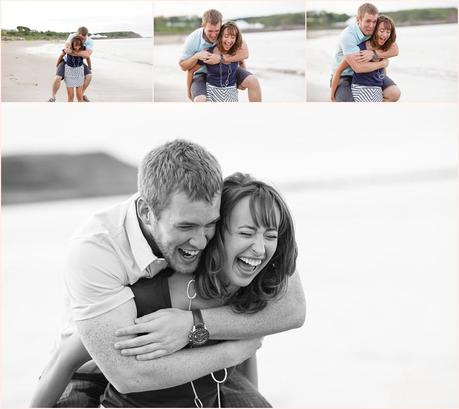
(211, 32)
(183, 230)
(367, 23)
(83, 37)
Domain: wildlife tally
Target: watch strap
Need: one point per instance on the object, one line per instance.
(197, 318)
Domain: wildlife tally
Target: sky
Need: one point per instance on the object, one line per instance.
(350, 7)
(230, 9)
(69, 15)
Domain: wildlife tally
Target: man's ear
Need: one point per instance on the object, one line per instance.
(143, 211)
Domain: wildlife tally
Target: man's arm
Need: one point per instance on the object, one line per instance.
(360, 67)
(391, 52)
(168, 329)
(190, 62)
(130, 375)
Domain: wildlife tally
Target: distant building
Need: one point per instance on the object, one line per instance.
(96, 36)
(244, 25)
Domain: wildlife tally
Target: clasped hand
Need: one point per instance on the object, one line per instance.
(163, 332)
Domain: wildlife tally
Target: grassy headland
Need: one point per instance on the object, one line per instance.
(186, 24)
(25, 33)
(323, 20)
(45, 177)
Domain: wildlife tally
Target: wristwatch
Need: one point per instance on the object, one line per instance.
(198, 334)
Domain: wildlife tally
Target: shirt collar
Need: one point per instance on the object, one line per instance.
(141, 250)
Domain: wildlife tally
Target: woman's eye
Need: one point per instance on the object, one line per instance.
(245, 234)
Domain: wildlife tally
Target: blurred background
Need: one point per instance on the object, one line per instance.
(274, 33)
(425, 69)
(375, 209)
(34, 33)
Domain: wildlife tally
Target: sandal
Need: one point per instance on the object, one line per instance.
(52, 99)
(86, 99)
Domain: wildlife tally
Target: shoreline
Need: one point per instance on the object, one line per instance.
(28, 77)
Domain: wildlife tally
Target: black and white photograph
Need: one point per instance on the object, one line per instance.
(159, 252)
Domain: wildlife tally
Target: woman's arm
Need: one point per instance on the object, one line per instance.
(60, 59)
(88, 61)
(336, 77)
(57, 375)
(189, 79)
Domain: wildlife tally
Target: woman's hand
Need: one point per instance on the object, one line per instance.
(163, 332)
(332, 94)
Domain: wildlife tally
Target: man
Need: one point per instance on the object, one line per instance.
(169, 222)
(89, 45)
(195, 48)
(362, 61)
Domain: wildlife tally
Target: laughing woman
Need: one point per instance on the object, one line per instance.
(221, 78)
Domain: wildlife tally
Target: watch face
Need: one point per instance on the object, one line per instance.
(199, 336)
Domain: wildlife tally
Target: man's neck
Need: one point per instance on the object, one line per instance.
(149, 238)
(205, 37)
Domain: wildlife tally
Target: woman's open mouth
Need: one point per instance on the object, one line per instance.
(248, 264)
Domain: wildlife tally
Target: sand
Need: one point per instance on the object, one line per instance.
(28, 77)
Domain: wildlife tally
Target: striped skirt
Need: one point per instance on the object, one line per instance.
(221, 94)
(74, 76)
(363, 93)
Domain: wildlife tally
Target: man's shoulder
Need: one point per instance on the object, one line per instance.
(196, 34)
(106, 223)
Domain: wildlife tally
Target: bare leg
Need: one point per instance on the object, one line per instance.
(87, 81)
(253, 86)
(200, 98)
(56, 85)
(79, 94)
(70, 94)
(391, 94)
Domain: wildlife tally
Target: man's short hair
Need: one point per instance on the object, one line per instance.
(367, 8)
(212, 17)
(83, 31)
(178, 166)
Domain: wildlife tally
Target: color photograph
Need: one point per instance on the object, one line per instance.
(99, 51)
(382, 52)
(229, 51)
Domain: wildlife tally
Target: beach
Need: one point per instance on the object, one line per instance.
(376, 226)
(276, 58)
(416, 70)
(28, 71)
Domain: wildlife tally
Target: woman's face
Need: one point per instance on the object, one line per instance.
(228, 39)
(248, 248)
(383, 32)
(76, 45)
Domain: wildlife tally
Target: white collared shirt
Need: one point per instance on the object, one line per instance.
(106, 255)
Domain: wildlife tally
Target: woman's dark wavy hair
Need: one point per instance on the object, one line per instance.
(77, 39)
(272, 280)
(389, 25)
(234, 30)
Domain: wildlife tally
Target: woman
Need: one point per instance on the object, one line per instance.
(246, 264)
(221, 77)
(367, 87)
(74, 69)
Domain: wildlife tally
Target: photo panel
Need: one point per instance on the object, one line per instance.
(37, 51)
(422, 60)
(272, 70)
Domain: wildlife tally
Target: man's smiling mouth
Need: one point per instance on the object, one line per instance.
(188, 254)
